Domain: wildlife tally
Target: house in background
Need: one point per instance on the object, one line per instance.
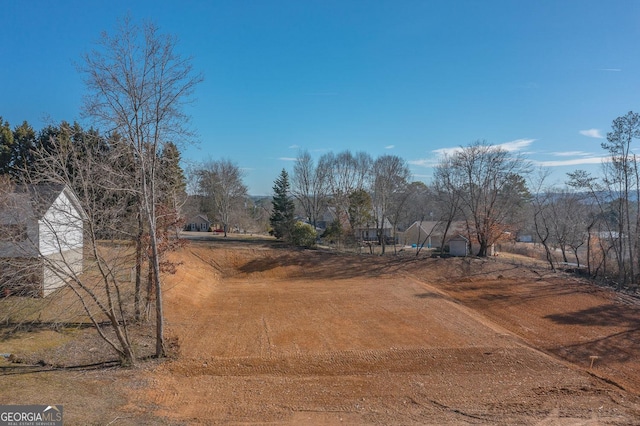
(328, 216)
(198, 223)
(367, 232)
(41, 238)
(429, 234)
(370, 233)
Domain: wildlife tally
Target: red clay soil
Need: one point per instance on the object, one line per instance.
(270, 335)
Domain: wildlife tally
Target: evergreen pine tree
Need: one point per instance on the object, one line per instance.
(6, 147)
(282, 219)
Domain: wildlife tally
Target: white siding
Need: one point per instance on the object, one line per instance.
(61, 228)
(59, 267)
(459, 246)
(41, 253)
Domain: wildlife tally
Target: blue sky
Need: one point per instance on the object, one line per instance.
(408, 78)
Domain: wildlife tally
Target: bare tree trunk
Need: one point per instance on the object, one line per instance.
(150, 291)
(589, 268)
(139, 256)
(160, 346)
(383, 242)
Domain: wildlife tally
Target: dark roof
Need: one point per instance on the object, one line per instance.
(42, 196)
(200, 216)
(27, 201)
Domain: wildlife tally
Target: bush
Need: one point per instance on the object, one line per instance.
(334, 232)
(303, 235)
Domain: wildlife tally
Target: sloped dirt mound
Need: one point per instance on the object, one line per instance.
(314, 337)
(264, 263)
(197, 274)
(469, 269)
(592, 327)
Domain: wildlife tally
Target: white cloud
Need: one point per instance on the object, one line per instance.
(592, 133)
(573, 162)
(287, 159)
(610, 69)
(447, 151)
(572, 154)
(424, 162)
(516, 145)
(389, 147)
(294, 147)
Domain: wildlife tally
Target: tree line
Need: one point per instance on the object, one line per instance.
(592, 221)
(480, 184)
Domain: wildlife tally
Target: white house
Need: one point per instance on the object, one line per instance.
(41, 238)
(370, 233)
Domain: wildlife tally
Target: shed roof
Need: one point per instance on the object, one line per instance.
(33, 201)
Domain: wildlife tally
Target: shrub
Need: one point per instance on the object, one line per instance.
(303, 235)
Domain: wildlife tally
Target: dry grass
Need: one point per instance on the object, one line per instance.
(46, 330)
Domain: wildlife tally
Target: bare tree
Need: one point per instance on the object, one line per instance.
(346, 173)
(567, 220)
(220, 184)
(391, 176)
(360, 217)
(137, 85)
(621, 176)
(542, 215)
(492, 189)
(448, 187)
(309, 186)
(580, 221)
(78, 252)
(405, 202)
(598, 196)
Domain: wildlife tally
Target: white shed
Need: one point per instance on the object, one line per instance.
(41, 238)
(459, 246)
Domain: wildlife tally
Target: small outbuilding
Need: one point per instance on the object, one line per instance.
(459, 246)
(41, 238)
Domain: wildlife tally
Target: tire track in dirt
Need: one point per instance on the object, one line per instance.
(477, 316)
(265, 342)
(564, 318)
(354, 362)
(258, 346)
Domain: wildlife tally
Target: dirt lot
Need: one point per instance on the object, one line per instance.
(271, 335)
